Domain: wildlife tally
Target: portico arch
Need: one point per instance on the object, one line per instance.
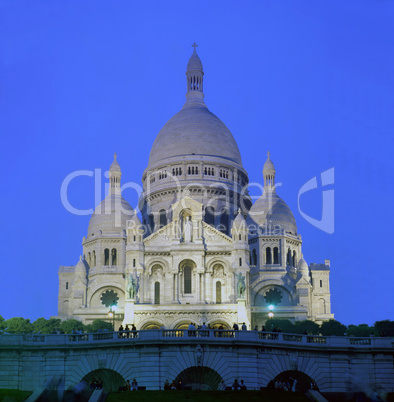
(293, 378)
(111, 379)
(151, 324)
(199, 378)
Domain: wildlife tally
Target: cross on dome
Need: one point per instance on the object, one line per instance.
(194, 45)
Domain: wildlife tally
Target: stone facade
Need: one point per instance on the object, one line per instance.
(201, 251)
(336, 364)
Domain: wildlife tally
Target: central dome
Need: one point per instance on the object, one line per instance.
(194, 130)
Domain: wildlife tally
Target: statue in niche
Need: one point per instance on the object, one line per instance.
(188, 230)
(241, 287)
(131, 287)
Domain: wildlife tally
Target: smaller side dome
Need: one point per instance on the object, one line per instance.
(270, 209)
(111, 215)
(302, 265)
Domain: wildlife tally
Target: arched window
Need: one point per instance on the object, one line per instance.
(187, 279)
(224, 222)
(288, 257)
(268, 256)
(163, 218)
(113, 255)
(218, 292)
(151, 223)
(294, 259)
(276, 255)
(89, 259)
(157, 292)
(106, 256)
(210, 216)
(254, 257)
(94, 258)
(322, 306)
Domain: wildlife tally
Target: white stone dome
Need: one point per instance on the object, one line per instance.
(271, 209)
(194, 130)
(110, 216)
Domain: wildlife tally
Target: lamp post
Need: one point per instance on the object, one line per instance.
(111, 314)
(271, 314)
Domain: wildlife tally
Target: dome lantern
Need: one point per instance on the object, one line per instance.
(194, 76)
(114, 176)
(269, 173)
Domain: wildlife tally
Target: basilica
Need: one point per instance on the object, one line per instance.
(198, 251)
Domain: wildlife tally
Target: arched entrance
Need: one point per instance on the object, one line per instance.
(287, 379)
(110, 379)
(199, 378)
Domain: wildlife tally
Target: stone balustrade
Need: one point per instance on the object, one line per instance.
(213, 335)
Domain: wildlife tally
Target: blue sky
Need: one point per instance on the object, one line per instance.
(310, 81)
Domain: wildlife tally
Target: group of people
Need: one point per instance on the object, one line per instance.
(131, 387)
(237, 386)
(96, 383)
(243, 327)
(127, 332)
(174, 385)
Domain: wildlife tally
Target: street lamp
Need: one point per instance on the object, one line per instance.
(111, 314)
(271, 314)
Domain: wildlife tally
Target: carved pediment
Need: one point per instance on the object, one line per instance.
(214, 236)
(161, 237)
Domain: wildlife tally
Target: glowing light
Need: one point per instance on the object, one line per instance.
(271, 306)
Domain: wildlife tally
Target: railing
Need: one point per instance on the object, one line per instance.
(268, 336)
(360, 341)
(316, 339)
(33, 338)
(200, 335)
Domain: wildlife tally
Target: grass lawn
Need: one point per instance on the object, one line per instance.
(206, 396)
(11, 395)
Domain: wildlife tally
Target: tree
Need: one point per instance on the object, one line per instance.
(308, 326)
(97, 325)
(361, 330)
(332, 327)
(68, 326)
(45, 326)
(384, 328)
(278, 323)
(18, 325)
(2, 324)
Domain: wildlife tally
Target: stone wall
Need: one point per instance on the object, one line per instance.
(335, 363)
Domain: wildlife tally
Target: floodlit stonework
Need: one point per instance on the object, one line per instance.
(201, 251)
